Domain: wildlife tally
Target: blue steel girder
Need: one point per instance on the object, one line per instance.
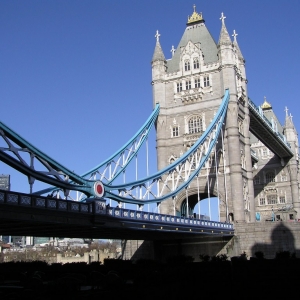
(262, 129)
(171, 180)
(24, 157)
(116, 164)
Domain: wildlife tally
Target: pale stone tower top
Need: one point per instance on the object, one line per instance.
(196, 33)
(235, 43)
(158, 52)
(288, 120)
(224, 38)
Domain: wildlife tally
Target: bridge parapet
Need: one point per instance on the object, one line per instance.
(97, 207)
(166, 219)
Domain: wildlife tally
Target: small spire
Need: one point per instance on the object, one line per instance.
(223, 18)
(157, 35)
(173, 50)
(224, 38)
(288, 119)
(158, 52)
(234, 36)
(239, 53)
(286, 111)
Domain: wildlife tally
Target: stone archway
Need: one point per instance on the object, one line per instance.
(192, 193)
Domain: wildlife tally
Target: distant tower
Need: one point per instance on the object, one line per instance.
(276, 183)
(189, 88)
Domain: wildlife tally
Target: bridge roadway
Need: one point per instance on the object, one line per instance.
(29, 215)
(261, 127)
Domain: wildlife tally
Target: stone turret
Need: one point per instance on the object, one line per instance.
(159, 66)
(236, 150)
(293, 164)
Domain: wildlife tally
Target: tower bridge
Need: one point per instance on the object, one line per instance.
(211, 140)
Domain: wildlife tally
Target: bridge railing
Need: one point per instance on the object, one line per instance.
(27, 200)
(166, 219)
(98, 207)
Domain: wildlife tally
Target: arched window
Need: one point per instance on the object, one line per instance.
(196, 63)
(187, 65)
(270, 177)
(195, 124)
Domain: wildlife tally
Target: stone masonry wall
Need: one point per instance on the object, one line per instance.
(268, 237)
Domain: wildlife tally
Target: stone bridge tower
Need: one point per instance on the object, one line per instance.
(251, 182)
(189, 88)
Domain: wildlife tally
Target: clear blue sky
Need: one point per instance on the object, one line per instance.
(75, 75)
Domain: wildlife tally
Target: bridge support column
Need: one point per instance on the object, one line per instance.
(234, 160)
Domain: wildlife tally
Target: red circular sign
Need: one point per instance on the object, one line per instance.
(98, 189)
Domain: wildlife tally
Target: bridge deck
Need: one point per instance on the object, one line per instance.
(28, 215)
(261, 128)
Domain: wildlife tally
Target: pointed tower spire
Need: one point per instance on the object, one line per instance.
(288, 120)
(235, 43)
(224, 38)
(158, 52)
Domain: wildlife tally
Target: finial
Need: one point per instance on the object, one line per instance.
(291, 117)
(286, 112)
(234, 35)
(223, 18)
(173, 50)
(195, 17)
(266, 104)
(157, 36)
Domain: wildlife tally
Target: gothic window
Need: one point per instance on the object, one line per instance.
(197, 82)
(179, 87)
(264, 152)
(175, 131)
(206, 81)
(256, 179)
(188, 85)
(282, 199)
(272, 199)
(196, 63)
(195, 124)
(187, 65)
(262, 201)
(270, 177)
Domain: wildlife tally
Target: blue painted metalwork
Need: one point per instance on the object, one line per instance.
(61, 177)
(97, 207)
(279, 137)
(144, 187)
(55, 173)
(119, 160)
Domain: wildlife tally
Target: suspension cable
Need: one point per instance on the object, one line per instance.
(224, 168)
(216, 167)
(147, 168)
(208, 190)
(187, 202)
(198, 196)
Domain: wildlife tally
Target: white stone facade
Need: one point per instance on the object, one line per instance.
(189, 88)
